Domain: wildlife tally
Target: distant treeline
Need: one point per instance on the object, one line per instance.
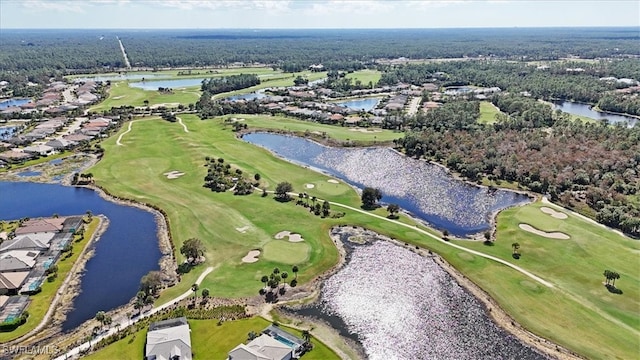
(229, 83)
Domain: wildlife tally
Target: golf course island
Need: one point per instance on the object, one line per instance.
(419, 207)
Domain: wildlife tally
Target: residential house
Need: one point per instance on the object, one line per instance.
(169, 340)
(17, 260)
(263, 347)
(31, 242)
(15, 156)
(10, 282)
(60, 144)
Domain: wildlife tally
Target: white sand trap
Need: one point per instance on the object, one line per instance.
(251, 257)
(309, 186)
(551, 235)
(3, 235)
(243, 229)
(365, 130)
(333, 181)
(553, 213)
(293, 237)
(164, 104)
(118, 97)
(173, 174)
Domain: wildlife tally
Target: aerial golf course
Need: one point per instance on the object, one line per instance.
(586, 317)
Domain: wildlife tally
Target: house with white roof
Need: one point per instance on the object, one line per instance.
(263, 347)
(169, 340)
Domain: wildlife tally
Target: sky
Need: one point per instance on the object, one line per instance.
(254, 14)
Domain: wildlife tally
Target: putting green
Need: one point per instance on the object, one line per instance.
(326, 188)
(286, 252)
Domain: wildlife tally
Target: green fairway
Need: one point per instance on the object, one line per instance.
(275, 80)
(488, 113)
(209, 340)
(365, 76)
(285, 252)
(121, 94)
(584, 316)
(335, 132)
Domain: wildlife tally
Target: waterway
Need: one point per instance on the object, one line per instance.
(360, 104)
(586, 110)
(126, 251)
(172, 84)
(119, 77)
(249, 96)
(425, 190)
(13, 102)
(399, 305)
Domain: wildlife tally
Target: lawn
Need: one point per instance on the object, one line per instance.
(208, 341)
(41, 301)
(365, 76)
(301, 127)
(584, 316)
(121, 94)
(286, 252)
(275, 80)
(488, 113)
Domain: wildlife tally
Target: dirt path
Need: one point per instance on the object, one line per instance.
(124, 133)
(183, 125)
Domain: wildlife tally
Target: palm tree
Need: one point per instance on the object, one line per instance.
(194, 288)
(284, 276)
(295, 270)
(265, 280)
(614, 276)
(306, 335)
(607, 276)
(515, 247)
(276, 271)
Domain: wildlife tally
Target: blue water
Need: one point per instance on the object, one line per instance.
(7, 132)
(127, 250)
(287, 342)
(29, 173)
(120, 77)
(249, 96)
(585, 110)
(361, 104)
(13, 102)
(423, 189)
(172, 84)
(56, 161)
(47, 264)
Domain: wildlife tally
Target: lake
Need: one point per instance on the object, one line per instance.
(586, 110)
(119, 77)
(172, 84)
(360, 104)
(399, 305)
(425, 190)
(7, 132)
(127, 250)
(13, 102)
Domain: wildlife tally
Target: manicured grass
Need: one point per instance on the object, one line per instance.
(121, 94)
(275, 80)
(488, 113)
(365, 76)
(41, 301)
(208, 341)
(332, 131)
(578, 312)
(283, 251)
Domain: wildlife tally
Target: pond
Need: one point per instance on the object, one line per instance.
(360, 104)
(425, 190)
(7, 132)
(172, 84)
(586, 110)
(13, 102)
(127, 250)
(249, 96)
(29, 173)
(399, 305)
(119, 77)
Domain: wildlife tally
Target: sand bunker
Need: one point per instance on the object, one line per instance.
(553, 213)
(251, 257)
(333, 181)
(550, 235)
(292, 236)
(118, 97)
(3, 235)
(309, 186)
(243, 229)
(173, 174)
(365, 130)
(236, 119)
(164, 105)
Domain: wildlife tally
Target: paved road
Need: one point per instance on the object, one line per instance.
(124, 54)
(124, 323)
(414, 104)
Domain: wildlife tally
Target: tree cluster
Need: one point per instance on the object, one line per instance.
(221, 177)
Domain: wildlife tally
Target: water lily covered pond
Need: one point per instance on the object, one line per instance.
(426, 190)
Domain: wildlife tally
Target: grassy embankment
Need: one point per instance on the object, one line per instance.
(584, 317)
(41, 301)
(208, 340)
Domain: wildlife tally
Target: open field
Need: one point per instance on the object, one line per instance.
(208, 341)
(488, 112)
(122, 94)
(299, 126)
(41, 301)
(585, 317)
(365, 76)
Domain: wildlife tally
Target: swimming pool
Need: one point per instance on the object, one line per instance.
(285, 341)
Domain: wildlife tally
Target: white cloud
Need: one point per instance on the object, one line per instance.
(61, 6)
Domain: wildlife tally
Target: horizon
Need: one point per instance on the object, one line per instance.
(313, 14)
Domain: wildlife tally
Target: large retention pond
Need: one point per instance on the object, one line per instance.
(399, 305)
(427, 191)
(124, 254)
(586, 110)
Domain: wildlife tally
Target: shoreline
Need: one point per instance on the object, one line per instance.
(492, 308)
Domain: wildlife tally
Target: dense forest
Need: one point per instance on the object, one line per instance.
(578, 164)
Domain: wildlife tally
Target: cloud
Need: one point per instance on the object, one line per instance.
(266, 5)
(61, 6)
